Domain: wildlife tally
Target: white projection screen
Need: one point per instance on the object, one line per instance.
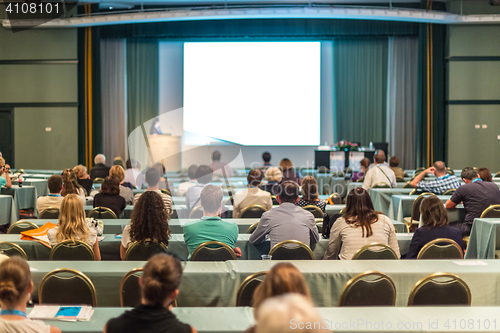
(253, 93)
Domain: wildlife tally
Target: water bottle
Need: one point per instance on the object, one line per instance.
(20, 181)
(371, 145)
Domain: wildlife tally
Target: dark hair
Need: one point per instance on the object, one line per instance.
(254, 177)
(216, 156)
(359, 211)
(150, 219)
(70, 184)
(111, 186)
(192, 171)
(204, 174)
(55, 183)
(15, 278)
(288, 191)
(485, 174)
(440, 167)
(266, 156)
(161, 277)
(433, 213)
(468, 173)
(309, 188)
(128, 164)
(394, 161)
(152, 176)
(211, 198)
(162, 171)
(379, 157)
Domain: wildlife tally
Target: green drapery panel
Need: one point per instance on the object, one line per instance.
(361, 89)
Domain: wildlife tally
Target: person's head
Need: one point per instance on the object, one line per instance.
(468, 174)
(71, 223)
(286, 164)
(485, 174)
(216, 156)
(254, 177)
(192, 171)
(152, 177)
(119, 161)
(160, 280)
(364, 163)
(273, 174)
(131, 163)
(310, 188)
(394, 162)
(211, 199)
(289, 313)
(55, 183)
(283, 278)
(150, 219)
(15, 283)
(111, 186)
(69, 182)
(80, 171)
(204, 174)
(379, 157)
(2, 162)
(432, 212)
(359, 210)
(100, 159)
(440, 168)
(288, 192)
(266, 157)
(118, 172)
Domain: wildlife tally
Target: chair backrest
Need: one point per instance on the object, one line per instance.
(274, 200)
(315, 210)
(360, 180)
(253, 211)
(102, 213)
(291, 250)
(244, 297)
(441, 248)
(229, 201)
(400, 180)
(207, 252)
(450, 171)
(450, 191)
(415, 210)
(130, 291)
(440, 289)
(12, 250)
(492, 211)
(196, 213)
(381, 185)
(69, 250)
(20, 226)
(497, 175)
(369, 289)
(375, 251)
(252, 228)
(407, 185)
(67, 287)
(50, 213)
(98, 180)
(165, 191)
(142, 251)
(334, 198)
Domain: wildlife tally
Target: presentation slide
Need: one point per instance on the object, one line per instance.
(253, 93)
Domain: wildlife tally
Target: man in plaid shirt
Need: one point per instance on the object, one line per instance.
(443, 182)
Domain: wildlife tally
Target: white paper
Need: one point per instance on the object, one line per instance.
(50, 312)
(471, 263)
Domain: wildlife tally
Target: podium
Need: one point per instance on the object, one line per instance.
(166, 149)
(337, 160)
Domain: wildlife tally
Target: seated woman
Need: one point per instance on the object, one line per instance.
(273, 176)
(71, 186)
(159, 284)
(83, 178)
(310, 194)
(149, 220)
(286, 167)
(435, 225)
(4, 174)
(364, 164)
(110, 197)
(394, 165)
(360, 225)
(16, 287)
(485, 175)
(126, 189)
(73, 226)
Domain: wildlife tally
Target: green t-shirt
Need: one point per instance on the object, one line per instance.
(3, 181)
(209, 229)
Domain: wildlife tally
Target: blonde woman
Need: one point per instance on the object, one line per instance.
(125, 188)
(73, 226)
(83, 178)
(273, 176)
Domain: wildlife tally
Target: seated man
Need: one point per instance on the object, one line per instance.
(203, 176)
(183, 187)
(221, 169)
(54, 198)
(441, 184)
(153, 180)
(287, 221)
(252, 195)
(476, 196)
(100, 170)
(380, 173)
(266, 158)
(211, 227)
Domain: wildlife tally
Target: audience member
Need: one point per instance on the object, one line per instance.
(132, 174)
(149, 220)
(159, 285)
(310, 195)
(110, 197)
(183, 187)
(287, 221)
(126, 189)
(251, 195)
(364, 164)
(83, 178)
(485, 175)
(380, 173)
(394, 165)
(359, 225)
(441, 184)
(476, 196)
(73, 226)
(382, 156)
(54, 199)
(4, 174)
(164, 184)
(119, 161)
(435, 225)
(273, 176)
(266, 158)
(286, 167)
(219, 168)
(211, 227)
(16, 288)
(204, 176)
(152, 179)
(100, 170)
(71, 186)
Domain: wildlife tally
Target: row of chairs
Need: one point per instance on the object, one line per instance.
(97, 212)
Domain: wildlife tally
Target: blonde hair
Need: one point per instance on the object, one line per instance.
(80, 171)
(118, 172)
(273, 174)
(72, 224)
(2, 161)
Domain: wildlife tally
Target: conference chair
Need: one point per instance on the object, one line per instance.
(207, 252)
(407, 185)
(167, 192)
(381, 185)
(229, 201)
(66, 287)
(441, 248)
(375, 251)
(70, 250)
(98, 180)
(274, 200)
(196, 213)
(142, 251)
(400, 180)
(440, 289)
(334, 198)
(370, 288)
(360, 180)
(50, 213)
(492, 211)
(414, 219)
(253, 211)
(252, 228)
(450, 191)
(244, 296)
(130, 291)
(450, 171)
(20, 226)
(291, 250)
(12, 250)
(497, 175)
(102, 213)
(315, 210)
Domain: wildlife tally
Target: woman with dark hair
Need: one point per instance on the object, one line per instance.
(149, 220)
(110, 197)
(435, 225)
(359, 225)
(159, 284)
(485, 175)
(71, 186)
(310, 194)
(164, 184)
(286, 168)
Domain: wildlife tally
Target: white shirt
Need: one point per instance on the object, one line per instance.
(23, 326)
(91, 237)
(42, 203)
(183, 187)
(379, 174)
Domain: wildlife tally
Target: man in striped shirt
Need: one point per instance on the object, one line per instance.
(441, 184)
(153, 180)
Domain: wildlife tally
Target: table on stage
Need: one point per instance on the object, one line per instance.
(8, 210)
(24, 197)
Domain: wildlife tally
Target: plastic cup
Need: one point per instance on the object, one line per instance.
(266, 257)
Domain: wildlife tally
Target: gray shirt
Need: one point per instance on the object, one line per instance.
(193, 195)
(286, 222)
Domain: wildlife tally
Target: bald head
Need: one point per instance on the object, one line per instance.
(379, 157)
(440, 168)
